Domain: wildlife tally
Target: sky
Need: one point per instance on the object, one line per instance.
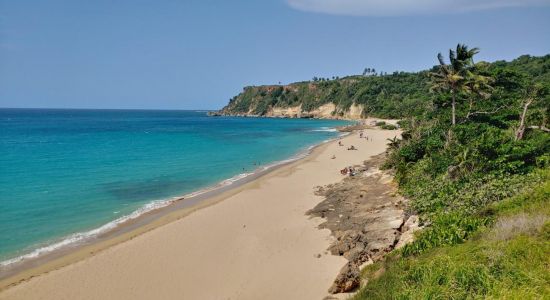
(197, 54)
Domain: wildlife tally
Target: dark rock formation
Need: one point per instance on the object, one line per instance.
(347, 280)
(365, 215)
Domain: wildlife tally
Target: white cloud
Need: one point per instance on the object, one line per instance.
(405, 7)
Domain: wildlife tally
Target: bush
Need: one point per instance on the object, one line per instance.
(447, 229)
(388, 127)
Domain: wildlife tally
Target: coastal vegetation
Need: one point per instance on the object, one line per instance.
(478, 175)
(473, 161)
(389, 96)
(400, 95)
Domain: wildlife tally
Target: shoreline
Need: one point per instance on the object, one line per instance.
(187, 203)
(153, 223)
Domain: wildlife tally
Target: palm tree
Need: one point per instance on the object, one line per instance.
(454, 77)
(478, 87)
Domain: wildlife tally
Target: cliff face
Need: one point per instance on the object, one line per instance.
(298, 100)
(354, 97)
(325, 111)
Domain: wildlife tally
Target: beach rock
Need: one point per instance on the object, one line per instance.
(214, 114)
(367, 218)
(357, 254)
(348, 279)
(409, 228)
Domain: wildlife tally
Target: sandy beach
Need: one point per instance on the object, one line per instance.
(251, 242)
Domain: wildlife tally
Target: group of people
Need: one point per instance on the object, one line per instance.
(363, 135)
(352, 147)
(348, 171)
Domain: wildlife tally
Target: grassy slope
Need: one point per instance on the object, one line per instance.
(508, 259)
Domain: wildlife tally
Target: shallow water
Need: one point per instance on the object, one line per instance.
(69, 174)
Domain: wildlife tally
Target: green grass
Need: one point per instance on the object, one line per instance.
(513, 269)
(509, 259)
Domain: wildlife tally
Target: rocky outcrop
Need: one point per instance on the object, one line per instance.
(322, 100)
(355, 112)
(348, 279)
(325, 111)
(286, 112)
(366, 217)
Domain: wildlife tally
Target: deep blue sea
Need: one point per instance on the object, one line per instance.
(66, 175)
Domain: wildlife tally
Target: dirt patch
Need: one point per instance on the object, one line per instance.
(365, 215)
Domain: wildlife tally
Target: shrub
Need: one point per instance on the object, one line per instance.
(446, 229)
(388, 127)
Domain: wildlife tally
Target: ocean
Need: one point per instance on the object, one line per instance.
(69, 175)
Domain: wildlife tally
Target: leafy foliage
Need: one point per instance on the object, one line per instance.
(463, 180)
(390, 96)
(402, 94)
(480, 268)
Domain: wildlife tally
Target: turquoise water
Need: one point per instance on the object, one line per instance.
(66, 172)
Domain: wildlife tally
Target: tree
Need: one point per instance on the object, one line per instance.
(454, 77)
(366, 71)
(533, 93)
(369, 71)
(478, 87)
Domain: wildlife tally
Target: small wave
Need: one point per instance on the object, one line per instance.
(325, 129)
(235, 178)
(80, 237)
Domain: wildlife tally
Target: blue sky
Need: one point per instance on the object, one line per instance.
(196, 54)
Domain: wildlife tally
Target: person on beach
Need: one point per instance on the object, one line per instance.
(333, 156)
(352, 147)
(340, 143)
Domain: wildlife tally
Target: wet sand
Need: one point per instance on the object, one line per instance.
(251, 242)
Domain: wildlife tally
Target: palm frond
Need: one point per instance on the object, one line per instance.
(441, 59)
